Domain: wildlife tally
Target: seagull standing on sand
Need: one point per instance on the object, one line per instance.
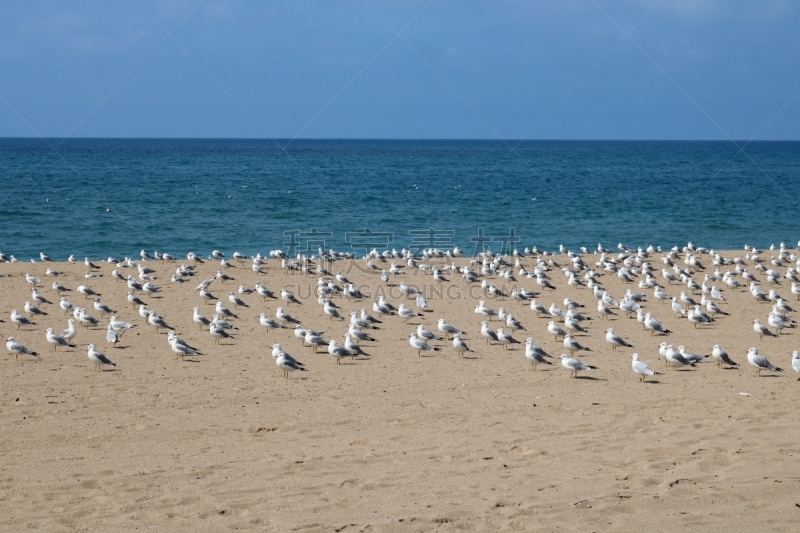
(641, 368)
(555, 330)
(721, 356)
(16, 348)
(615, 340)
(447, 329)
(224, 311)
(487, 332)
(505, 338)
(459, 345)
(535, 354)
(267, 322)
(574, 365)
(98, 358)
(761, 330)
(420, 345)
(760, 362)
(56, 340)
(573, 345)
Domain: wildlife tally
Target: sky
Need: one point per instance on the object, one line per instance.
(422, 69)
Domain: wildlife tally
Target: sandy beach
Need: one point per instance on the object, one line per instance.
(393, 442)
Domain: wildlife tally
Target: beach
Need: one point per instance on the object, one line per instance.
(395, 441)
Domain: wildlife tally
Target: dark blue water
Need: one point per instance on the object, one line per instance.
(100, 197)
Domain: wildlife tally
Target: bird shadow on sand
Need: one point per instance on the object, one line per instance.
(589, 378)
(653, 382)
(190, 361)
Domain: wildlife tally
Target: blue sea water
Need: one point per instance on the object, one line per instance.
(100, 197)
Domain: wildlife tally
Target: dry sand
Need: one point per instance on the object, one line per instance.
(395, 442)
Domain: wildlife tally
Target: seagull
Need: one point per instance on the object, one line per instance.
(38, 297)
(111, 336)
(505, 338)
(314, 340)
(338, 351)
(199, 319)
(87, 291)
(235, 300)
(20, 320)
(691, 357)
(459, 345)
(32, 309)
(360, 335)
(224, 311)
(678, 308)
(674, 358)
(59, 288)
(103, 308)
(796, 362)
(71, 331)
(555, 330)
(221, 323)
(420, 345)
(16, 348)
(98, 358)
(573, 345)
(353, 346)
(615, 340)
(539, 309)
(481, 309)
(761, 329)
(207, 296)
(264, 292)
(487, 332)
(218, 333)
(222, 277)
(447, 329)
(641, 368)
(574, 365)
(425, 333)
(287, 363)
(285, 317)
(267, 322)
(150, 289)
(33, 280)
(134, 299)
(573, 325)
(406, 313)
(287, 296)
(180, 347)
(721, 356)
(330, 310)
(154, 320)
(760, 362)
(654, 325)
(712, 308)
(778, 323)
(604, 310)
(535, 354)
(86, 319)
(56, 340)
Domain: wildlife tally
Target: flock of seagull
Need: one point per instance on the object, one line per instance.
(701, 301)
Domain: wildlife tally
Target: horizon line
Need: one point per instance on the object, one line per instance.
(373, 139)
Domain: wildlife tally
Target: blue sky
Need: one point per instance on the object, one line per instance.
(565, 69)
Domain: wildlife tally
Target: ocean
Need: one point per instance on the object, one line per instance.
(114, 197)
